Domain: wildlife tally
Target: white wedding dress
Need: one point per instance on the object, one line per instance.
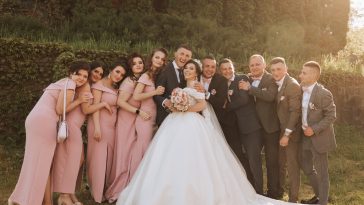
(190, 163)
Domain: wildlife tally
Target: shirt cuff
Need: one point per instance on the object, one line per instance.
(207, 95)
(287, 132)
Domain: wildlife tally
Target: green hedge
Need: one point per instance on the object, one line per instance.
(28, 67)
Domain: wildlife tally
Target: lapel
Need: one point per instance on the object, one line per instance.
(173, 74)
(264, 77)
(314, 93)
(232, 85)
(211, 85)
(281, 92)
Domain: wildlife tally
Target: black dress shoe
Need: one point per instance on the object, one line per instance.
(313, 200)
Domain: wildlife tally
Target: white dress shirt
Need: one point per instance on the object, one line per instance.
(256, 81)
(206, 82)
(307, 91)
(176, 68)
(280, 83)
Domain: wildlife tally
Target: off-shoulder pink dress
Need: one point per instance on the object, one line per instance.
(66, 163)
(100, 154)
(40, 145)
(133, 137)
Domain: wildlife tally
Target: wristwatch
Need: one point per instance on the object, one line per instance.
(137, 111)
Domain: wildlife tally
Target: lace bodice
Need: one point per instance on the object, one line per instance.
(193, 95)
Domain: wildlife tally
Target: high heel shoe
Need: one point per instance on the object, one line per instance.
(63, 199)
(75, 200)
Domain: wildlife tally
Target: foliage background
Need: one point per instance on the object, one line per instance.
(234, 28)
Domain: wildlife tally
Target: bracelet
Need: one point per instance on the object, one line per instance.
(137, 111)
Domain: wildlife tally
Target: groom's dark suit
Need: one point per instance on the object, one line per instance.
(168, 79)
(242, 104)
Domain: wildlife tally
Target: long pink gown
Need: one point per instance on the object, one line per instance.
(133, 137)
(100, 154)
(66, 163)
(41, 132)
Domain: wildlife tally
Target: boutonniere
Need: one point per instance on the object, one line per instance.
(230, 92)
(213, 92)
(312, 106)
(282, 98)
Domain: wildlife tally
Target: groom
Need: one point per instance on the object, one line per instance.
(170, 78)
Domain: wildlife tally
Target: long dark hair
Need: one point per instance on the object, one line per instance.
(130, 64)
(197, 66)
(153, 73)
(78, 65)
(123, 63)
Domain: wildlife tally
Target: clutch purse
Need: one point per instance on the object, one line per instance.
(62, 132)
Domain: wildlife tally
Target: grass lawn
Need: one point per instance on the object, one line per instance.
(346, 171)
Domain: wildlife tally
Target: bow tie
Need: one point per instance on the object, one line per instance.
(256, 78)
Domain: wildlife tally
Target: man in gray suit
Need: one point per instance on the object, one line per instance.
(289, 115)
(264, 89)
(318, 116)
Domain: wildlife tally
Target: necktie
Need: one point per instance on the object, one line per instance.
(180, 74)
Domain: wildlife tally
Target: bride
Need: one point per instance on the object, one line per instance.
(189, 161)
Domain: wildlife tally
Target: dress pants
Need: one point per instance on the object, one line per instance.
(315, 166)
(289, 162)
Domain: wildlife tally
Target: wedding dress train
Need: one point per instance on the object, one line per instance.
(190, 163)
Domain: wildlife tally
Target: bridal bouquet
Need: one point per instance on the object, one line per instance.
(179, 99)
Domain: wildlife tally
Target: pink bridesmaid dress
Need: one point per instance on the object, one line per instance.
(40, 145)
(100, 154)
(133, 137)
(67, 158)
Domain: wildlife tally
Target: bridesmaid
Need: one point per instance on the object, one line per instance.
(101, 132)
(34, 184)
(136, 119)
(69, 154)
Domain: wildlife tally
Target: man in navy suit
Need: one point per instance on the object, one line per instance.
(170, 78)
(242, 106)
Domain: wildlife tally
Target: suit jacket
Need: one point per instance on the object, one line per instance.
(217, 100)
(289, 107)
(265, 95)
(168, 79)
(320, 117)
(242, 104)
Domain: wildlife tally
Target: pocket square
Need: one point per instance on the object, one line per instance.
(264, 89)
(282, 98)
